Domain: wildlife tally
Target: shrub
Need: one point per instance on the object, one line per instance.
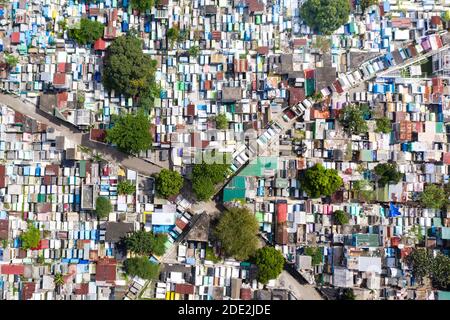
(102, 207)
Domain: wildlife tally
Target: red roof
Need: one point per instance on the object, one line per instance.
(337, 86)
(106, 270)
(263, 50)
(59, 79)
(81, 288)
(4, 226)
(100, 44)
(281, 212)
(184, 288)
(62, 98)
(28, 290)
(446, 158)
(44, 244)
(98, 135)
(61, 67)
(309, 74)
(15, 37)
(246, 294)
(17, 269)
(300, 42)
(296, 95)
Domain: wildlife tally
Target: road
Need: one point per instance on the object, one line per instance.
(107, 152)
(301, 291)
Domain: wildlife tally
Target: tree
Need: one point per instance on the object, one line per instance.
(59, 279)
(30, 239)
(173, 34)
(131, 133)
(206, 176)
(87, 32)
(367, 3)
(143, 5)
(341, 217)
(194, 51)
(433, 197)
(363, 189)
(318, 181)
(141, 267)
(237, 231)
(315, 253)
(325, 16)
(387, 173)
(421, 261)
(221, 121)
(127, 70)
(352, 119)
(168, 183)
(348, 294)
(11, 60)
(126, 187)
(102, 207)
(146, 243)
(203, 188)
(270, 263)
(441, 271)
(383, 125)
(446, 16)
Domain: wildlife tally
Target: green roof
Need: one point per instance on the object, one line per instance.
(443, 295)
(281, 183)
(259, 216)
(366, 155)
(445, 233)
(233, 194)
(383, 193)
(83, 168)
(366, 240)
(257, 167)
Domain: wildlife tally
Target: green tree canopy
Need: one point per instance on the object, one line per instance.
(146, 243)
(203, 188)
(421, 261)
(433, 197)
(11, 60)
(126, 187)
(127, 70)
(221, 121)
(348, 294)
(325, 16)
(441, 271)
(237, 231)
(364, 190)
(142, 267)
(87, 32)
(131, 133)
(206, 176)
(270, 263)
(383, 125)
(341, 217)
(367, 3)
(194, 51)
(315, 253)
(102, 207)
(30, 239)
(143, 5)
(318, 181)
(352, 119)
(168, 183)
(387, 173)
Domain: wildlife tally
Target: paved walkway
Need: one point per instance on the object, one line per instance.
(301, 291)
(107, 152)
